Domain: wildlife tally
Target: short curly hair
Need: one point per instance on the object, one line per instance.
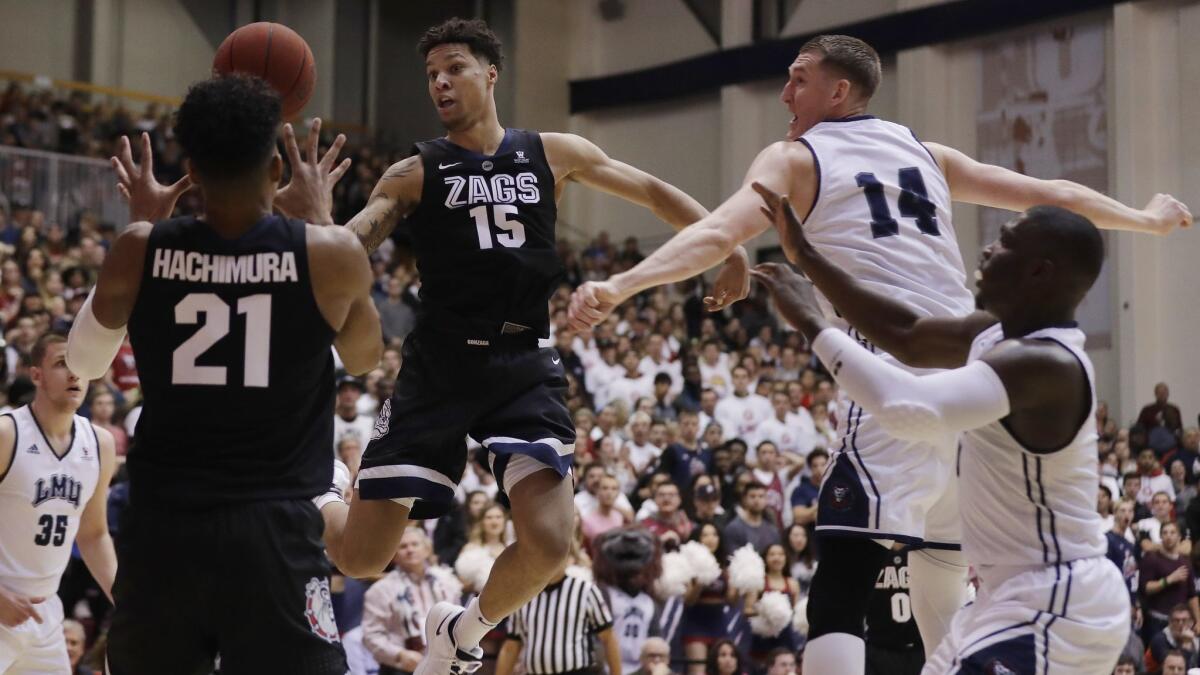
(474, 33)
(227, 125)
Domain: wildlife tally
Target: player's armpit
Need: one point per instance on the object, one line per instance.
(395, 196)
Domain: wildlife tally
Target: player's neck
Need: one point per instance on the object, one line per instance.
(483, 137)
(55, 421)
(1035, 319)
(232, 217)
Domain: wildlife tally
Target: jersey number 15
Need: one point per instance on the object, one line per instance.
(256, 369)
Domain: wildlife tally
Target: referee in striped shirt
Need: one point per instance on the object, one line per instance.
(552, 635)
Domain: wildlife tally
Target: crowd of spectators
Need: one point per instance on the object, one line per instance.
(713, 428)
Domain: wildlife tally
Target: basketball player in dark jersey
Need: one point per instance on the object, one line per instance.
(481, 203)
(231, 316)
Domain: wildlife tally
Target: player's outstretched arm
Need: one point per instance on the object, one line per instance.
(908, 406)
(99, 328)
(987, 185)
(577, 159)
(927, 342)
(341, 278)
(780, 166)
(395, 196)
(94, 541)
(582, 161)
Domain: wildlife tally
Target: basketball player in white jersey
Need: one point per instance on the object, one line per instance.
(1020, 398)
(878, 203)
(54, 473)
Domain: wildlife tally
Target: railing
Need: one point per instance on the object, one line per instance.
(60, 186)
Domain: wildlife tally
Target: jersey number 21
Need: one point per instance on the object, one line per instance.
(256, 369)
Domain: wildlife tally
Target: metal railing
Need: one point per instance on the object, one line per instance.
(60, 186)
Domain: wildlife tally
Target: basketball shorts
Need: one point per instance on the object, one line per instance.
(249, 582)
(33, 648)
(1063, 619)
(884, 488)
(511, 400)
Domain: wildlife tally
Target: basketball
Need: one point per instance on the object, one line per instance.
(275, 53)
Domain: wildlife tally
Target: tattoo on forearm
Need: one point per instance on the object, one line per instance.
(373, 228)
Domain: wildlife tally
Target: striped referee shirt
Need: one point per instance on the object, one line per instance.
(557, 626)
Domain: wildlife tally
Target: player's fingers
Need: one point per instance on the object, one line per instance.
(314, 139)
(768, 213)
(147, 156)
(768, 195)
(182, 185)
(331, 155)
(125, 155)
(341, 170)
(122, 174)
(290, 146)
(124, 192)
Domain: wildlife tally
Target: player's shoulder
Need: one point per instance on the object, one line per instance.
(333, 245)
(104, 437)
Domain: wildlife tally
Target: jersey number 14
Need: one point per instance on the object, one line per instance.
(256, 370)
(914, 203)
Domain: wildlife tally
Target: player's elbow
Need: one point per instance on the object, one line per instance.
(910, 421)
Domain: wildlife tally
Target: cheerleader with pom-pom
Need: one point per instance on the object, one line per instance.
(771, 612)
(705, 615)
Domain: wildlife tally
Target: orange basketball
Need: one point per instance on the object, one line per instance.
(275, 53)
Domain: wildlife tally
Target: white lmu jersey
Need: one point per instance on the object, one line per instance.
(1023, 508)
(42, 497)
(882, 213)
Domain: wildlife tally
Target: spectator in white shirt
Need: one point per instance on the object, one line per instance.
(346, 419)
(770, 473)
(640, 452)
(606, 423)
(789, 366)
(741, 413)
(1151, 528)
(656, 361)
(708, 408)
(633, 383)
(1154, 479)
(714, 369)
(586, 500)
(602, 374)
(792, 432)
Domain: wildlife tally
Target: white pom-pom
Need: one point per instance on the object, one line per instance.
(747, 571)
(704, 566)
(774, 613)
(800, 616)
(676, 575)
(473, 567)
(580, 572)
(446, 579)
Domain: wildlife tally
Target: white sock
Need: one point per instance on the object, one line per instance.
(938, 589)
(835, 654)
(472, 625)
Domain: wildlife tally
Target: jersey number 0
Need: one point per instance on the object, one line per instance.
(257, 308)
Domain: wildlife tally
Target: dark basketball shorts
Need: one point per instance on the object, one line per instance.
(248, 582)
(511, 400)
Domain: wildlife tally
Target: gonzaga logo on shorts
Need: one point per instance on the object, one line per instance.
(318, 609)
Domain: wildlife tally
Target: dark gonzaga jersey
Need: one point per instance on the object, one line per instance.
(890, 623)
(236, 368)
(484, 234)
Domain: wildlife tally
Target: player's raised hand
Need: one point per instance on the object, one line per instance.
(148, 199)
(1167, 213)
(732, 284)
(591, 303)
(16, 609)
(781, 214)
(309, 194)
(794, 297)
